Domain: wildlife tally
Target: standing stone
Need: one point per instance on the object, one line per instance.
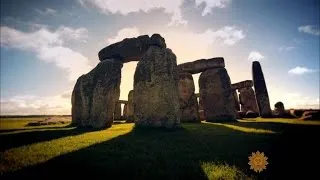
(217, 96)
(261, 90)
(130, 114)
(236, 100)
(248, 100)
(125, 110)
(117, 112)
(187, 98)
(201, 111)
(279, 109)
(156, 97)
(95, 95)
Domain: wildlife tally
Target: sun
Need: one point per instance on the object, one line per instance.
(258, 161)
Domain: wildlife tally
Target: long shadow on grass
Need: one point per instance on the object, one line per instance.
(37, 135)
(157, 154)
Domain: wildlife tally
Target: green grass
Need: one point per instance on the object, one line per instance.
(197, 151)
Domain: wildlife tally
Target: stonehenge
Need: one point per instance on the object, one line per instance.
(163, 93)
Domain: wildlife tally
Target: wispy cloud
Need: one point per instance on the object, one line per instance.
(300, 71)
(286, 48)
(47, 11)
(255, 56)
(210, 4)
(31, 104)
(170, 6)
(49, 47)
(310, 29)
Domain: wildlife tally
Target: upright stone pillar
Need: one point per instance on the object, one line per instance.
(187, 98)
(156, 97)
(117, 111)
(261, 90)
(248, 100)
(236, 99)
(95, 95)
(125, 110)
(130, 113)
(217, 96)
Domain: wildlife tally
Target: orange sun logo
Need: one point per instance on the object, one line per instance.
(258, 161)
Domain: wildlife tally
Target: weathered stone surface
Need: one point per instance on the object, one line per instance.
(201, 111)
(123, 102)
(156, 97)
(130, 112)
(242, 84)
(117, 112)
(279, 109)
(131, 49)
(217, 96)
(95, 95)
(261, 90)
(236, 100)
(187, 98)
(125, 110)
(201, 65)
(248, 100)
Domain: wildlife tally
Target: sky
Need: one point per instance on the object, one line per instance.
(46, 45)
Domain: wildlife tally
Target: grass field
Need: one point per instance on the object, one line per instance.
(197, 151)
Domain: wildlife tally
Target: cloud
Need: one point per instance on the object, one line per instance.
(310, 29)
(195, 45)
(30, 105)
(49, 47)
(210, 4)
(286, 48)
(255, 56)
(124, 33)
(47, 11)
(125, 7)
(300, 71)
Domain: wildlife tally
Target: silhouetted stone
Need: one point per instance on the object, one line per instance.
(248, 100)
(261, 90)
(130, 109)
(201, 111)
(156, 97)
(217, 96)
(279, 109)
(157, 40)
(131, 49)
(187, 98)
(117, 112)
(95, 95)
(242, 84)
(125, 114)
(311, 115)
(201, 65)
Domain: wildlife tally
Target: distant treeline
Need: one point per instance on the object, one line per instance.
(32, 116)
